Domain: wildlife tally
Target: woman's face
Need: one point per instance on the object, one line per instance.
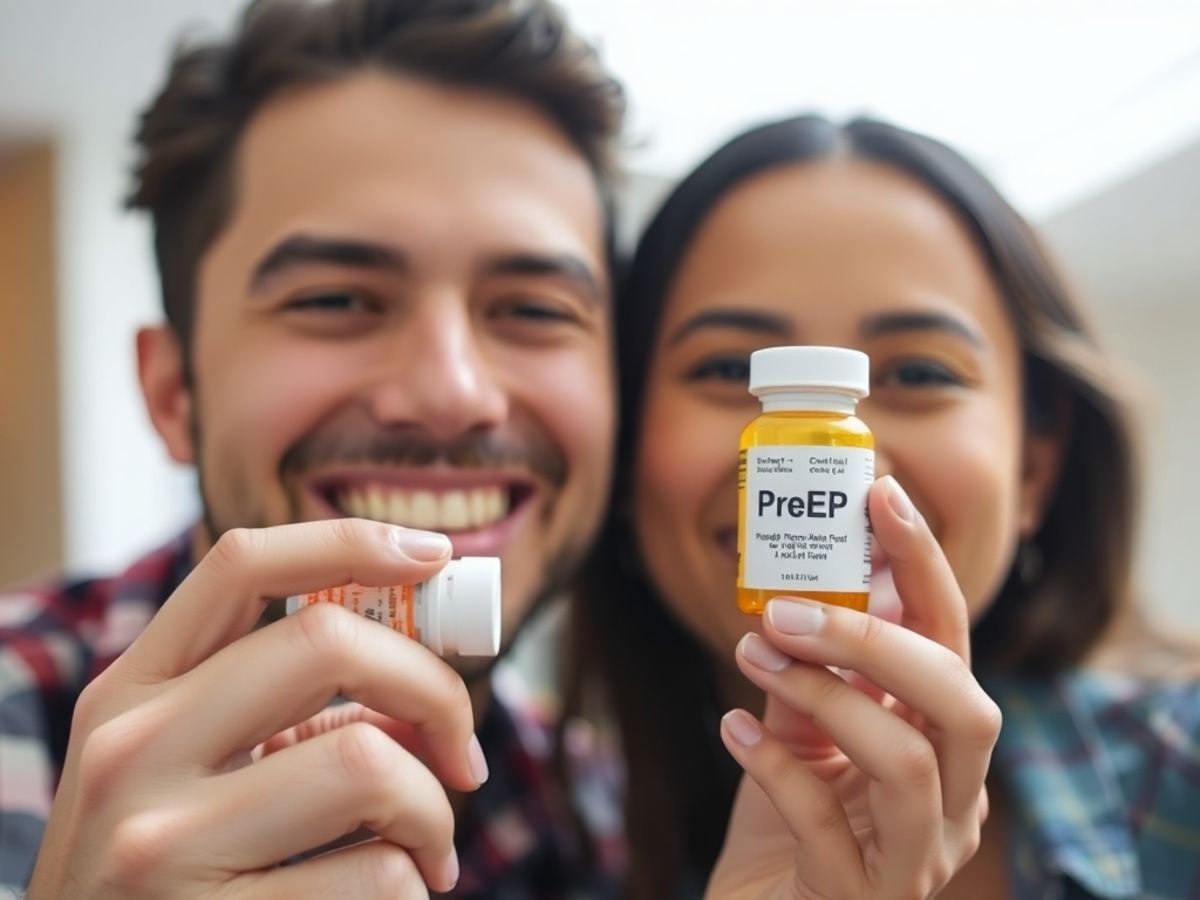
(852, 254)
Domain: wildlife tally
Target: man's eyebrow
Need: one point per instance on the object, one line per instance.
(565, 266)
(306, 249)
(755, 322)
(891, 323)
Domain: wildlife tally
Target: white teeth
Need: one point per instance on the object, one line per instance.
(398, 507)
(477, 501)
(377, 506)
(497, 504)
(355, 503)
(423, 510)
(452, 510)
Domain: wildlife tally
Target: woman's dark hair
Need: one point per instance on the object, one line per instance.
(630, 655)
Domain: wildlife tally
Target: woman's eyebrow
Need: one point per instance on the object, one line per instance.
(891, 323)
(739, 319)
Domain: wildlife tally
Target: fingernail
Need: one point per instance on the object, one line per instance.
(479, 766)
(758, 652)
(452, 869)
(795, 616)
(898, 500)
(422, 546)
(742, 727)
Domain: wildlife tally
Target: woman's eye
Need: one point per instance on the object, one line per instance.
(732, 369)
(920, 373)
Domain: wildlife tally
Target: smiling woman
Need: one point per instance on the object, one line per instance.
(998, 425)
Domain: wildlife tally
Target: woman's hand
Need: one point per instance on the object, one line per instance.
(870, 785)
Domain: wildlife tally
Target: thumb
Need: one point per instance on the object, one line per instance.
(927, 587)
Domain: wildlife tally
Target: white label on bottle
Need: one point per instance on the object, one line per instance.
(395, 606)
(806, 518)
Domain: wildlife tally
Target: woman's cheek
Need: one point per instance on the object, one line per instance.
(972, 493)
(685, 449)
(661, 477)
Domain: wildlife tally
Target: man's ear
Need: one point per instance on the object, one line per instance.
(1041, 466)
(165, 390)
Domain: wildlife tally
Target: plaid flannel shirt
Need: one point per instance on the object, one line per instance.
(1104, 771)
(1104, 776)
(514, 837)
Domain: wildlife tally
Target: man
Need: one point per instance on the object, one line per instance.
(381, 233)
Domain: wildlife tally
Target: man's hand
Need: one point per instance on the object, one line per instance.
(158, 798)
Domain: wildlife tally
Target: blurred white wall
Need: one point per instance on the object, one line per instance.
(1064, 103)
(1133, 251)
(76, 72)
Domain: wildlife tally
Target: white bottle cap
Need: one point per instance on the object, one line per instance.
(470, 608)
(799, 369)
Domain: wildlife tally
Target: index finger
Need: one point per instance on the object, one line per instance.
(225, 594)
(299, 665)
(933, 602)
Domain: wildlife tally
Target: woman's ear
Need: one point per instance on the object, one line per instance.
(165, 389)
(1042, 457)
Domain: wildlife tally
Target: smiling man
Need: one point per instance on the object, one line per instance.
(393, 324)
(381, 232)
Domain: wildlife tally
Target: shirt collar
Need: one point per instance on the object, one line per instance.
(137, 593)
(1063, 782)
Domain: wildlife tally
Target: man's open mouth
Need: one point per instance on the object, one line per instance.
(444, 507)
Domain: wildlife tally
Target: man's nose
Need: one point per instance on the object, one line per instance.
(440, 379)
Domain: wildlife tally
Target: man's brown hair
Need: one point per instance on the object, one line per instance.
(189, 135)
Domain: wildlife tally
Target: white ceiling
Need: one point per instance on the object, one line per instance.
(1056, 99)
(1135, 246)
(1086, 112)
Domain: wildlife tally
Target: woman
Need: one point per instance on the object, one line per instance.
(994, 411)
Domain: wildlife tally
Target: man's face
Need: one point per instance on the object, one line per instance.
(406, 318)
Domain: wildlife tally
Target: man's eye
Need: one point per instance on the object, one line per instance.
(332, 301)
(535, 311)
(919, 374)
(731, 369)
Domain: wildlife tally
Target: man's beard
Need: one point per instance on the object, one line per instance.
(327, 445)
